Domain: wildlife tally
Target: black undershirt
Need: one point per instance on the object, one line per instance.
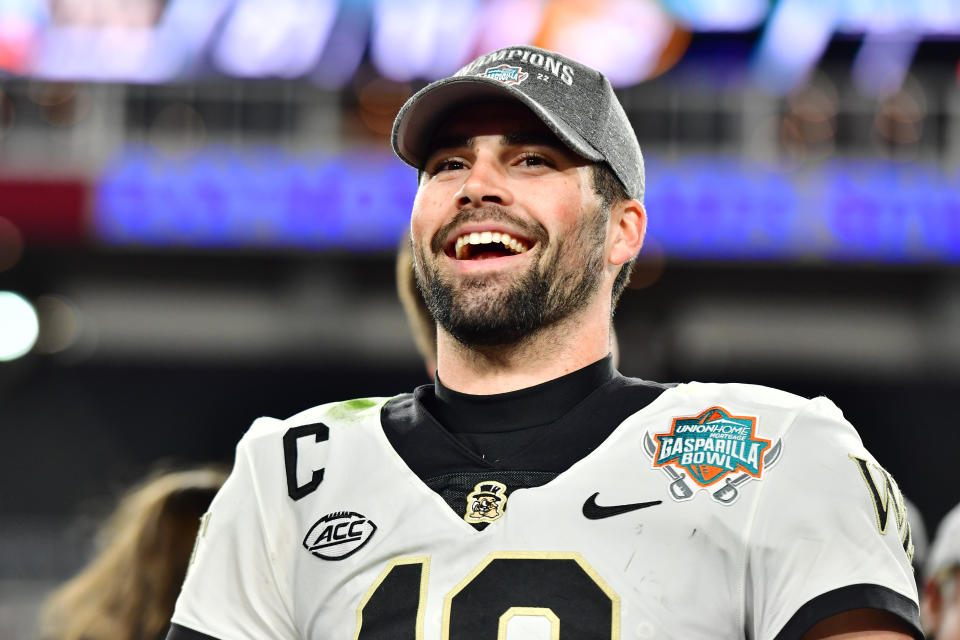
(523, 439)
(500, 427)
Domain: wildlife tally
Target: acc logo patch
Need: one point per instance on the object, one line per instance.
(339, 535)
(486, 502)
(505, 74)
(708, 448)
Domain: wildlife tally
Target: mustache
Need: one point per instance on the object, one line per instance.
(488, 213)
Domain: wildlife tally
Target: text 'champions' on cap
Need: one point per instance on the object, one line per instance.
(576, 102)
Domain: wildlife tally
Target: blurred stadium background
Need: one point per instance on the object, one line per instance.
(199, 210)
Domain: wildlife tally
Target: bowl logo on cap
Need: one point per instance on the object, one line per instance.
(505, 74)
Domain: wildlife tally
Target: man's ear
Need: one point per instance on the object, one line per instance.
(931, 607)
(628, 226)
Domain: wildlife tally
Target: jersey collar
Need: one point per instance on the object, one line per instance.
(521, 409)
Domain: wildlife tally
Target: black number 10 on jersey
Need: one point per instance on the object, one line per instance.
(560, 588)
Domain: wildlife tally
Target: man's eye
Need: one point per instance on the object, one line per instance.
(533, 160)
(452, 164)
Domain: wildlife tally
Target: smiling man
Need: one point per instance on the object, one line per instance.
(533, 492)
(509, 236)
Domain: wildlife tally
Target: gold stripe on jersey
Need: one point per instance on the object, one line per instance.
(539, 612)
(535, 555)
(424, 562)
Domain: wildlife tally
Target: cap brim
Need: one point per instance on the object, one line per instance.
(422, 113)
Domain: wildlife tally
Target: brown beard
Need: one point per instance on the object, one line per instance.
(540, 297)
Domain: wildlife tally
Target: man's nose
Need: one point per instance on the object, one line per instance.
(485, 183)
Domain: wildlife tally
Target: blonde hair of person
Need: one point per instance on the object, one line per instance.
(129, 588)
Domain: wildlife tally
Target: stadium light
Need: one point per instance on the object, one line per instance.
(19, 326)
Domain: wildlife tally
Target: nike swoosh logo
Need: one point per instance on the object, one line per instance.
(594, 511)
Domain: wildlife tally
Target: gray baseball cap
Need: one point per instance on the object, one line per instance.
(576, 102)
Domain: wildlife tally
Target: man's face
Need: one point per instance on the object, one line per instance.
(508, 233)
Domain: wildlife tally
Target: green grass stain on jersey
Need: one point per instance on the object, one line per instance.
(350, 409)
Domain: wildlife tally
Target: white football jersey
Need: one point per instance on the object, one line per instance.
(717, 511)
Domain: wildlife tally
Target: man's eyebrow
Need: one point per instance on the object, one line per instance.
(450, 142)
(514, 138)
(517, 138)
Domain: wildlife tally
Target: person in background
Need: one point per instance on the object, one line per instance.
(940, 597)
(128, 590)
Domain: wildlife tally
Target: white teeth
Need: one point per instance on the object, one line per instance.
(486, 237)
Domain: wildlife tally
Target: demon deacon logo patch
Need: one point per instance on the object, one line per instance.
(339, 535)
(486, 502)
(715, 450)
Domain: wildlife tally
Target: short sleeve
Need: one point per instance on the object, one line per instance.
(828, 532)
(231, 591)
